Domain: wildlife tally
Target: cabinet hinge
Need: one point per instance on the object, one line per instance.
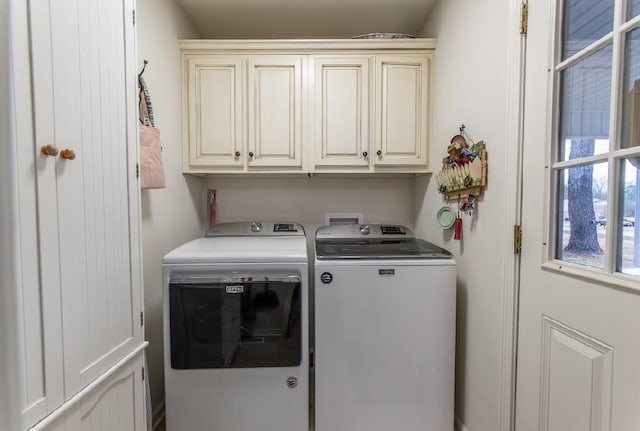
(142, 318)
(137, 170)
(134, 16)
(524, 18)
(517, 239)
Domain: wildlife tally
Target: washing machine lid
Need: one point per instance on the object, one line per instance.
(374, 241)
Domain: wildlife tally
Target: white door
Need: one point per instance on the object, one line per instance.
(579, 315)
(275, 111)
(341, 112)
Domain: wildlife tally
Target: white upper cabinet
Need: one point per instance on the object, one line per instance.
(339, 106)
(275, 111)
(402, 110)
(341, 112)
(213, 113)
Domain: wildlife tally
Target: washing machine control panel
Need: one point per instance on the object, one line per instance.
(392, 230)
(285, 227)
(256, 228)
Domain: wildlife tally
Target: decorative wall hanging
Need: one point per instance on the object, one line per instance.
(464, 170)
(462, 177)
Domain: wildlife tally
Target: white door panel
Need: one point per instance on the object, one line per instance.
(578, 344)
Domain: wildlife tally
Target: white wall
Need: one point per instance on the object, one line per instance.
(305, 200)
(471, 88)
(173, 215)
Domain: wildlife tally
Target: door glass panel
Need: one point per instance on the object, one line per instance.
(582, 214)
(628, 247)
(235, 325)
(585, 21)
(631, 91)
(585, 103)
(633, 8)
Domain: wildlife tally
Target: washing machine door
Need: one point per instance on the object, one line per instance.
(242, 322)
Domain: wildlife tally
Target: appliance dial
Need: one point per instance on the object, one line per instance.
(256, 226)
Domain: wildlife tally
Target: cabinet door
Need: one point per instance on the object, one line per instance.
(39, 285)
(341, 112)
(402, 110)
(213, 111)
(118, 404)
(115, 405)
(84, 103)
(275, 111)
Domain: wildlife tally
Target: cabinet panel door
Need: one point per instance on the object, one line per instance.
(39, 309)
(117, 404)
(91, 75)
(275, 111)
(214, 111)
(402, 110)
(341, 111)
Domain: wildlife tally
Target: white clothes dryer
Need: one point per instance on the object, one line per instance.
(384, 330)
(236, 330)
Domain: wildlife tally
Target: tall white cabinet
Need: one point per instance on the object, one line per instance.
(78, 204)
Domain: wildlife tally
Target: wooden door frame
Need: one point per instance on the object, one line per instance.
(513, 149)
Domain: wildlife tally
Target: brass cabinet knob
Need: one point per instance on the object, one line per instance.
(49, 150)
(251, 154)
(365, 154)
(237, 153)
(379, 153)
(68, 154)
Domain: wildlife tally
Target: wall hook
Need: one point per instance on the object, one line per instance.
(143, 68)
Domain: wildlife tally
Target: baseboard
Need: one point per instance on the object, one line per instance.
(458, 425)
(157, 415)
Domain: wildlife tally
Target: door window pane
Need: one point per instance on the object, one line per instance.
(631, 91)
(585, 21)
(628, 247)
(633, 8)
(585, 103)
(582, 214)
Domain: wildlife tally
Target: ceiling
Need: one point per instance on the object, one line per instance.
(245, 19)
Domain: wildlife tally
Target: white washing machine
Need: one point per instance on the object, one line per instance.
(384, 330)
(236, 330)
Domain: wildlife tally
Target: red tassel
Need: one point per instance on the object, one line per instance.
(457, 229)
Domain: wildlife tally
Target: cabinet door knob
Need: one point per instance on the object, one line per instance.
(49, 150)
(237, 153)
(365, 154)
(250, 153)
(68, 154)
(379, 152)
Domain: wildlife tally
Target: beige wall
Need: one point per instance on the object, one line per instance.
(471, 76)
(173, 215)
(305, 200)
